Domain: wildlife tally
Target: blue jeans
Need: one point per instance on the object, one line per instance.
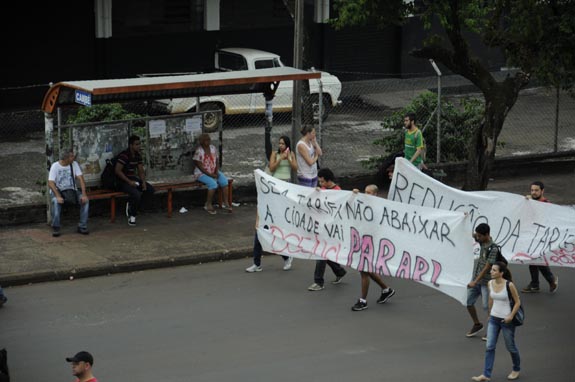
(474, 293)
(57, 211)
(136, 194)
(494, 326)
(211, 183)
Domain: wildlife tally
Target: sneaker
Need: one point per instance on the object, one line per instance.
(127, 209)
(314, 287)
(385, 296)
(530, 289)
(338, 279)
(359, 305)
(287, 263)
(3, 300)
(553, 287)
(83, 231)
(254, 268)
(476, 328)
(132, 221)
(55, 231)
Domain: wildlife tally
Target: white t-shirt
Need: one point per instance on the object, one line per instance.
(62, 176)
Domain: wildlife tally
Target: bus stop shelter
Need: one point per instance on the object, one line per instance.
(92, 92)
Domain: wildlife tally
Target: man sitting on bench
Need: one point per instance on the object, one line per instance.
(128, 162)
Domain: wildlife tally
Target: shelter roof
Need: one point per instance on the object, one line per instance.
(191, 85)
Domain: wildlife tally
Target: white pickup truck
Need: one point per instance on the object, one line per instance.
(233, 59)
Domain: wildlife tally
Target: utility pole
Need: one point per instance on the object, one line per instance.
(297, 63)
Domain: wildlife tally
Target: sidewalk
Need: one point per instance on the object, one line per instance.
(30, 254)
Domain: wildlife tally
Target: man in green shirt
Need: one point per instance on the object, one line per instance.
(413, 142)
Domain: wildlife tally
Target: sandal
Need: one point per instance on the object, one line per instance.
(227, 208)
(211, 211)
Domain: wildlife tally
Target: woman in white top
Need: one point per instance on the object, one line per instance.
(500, 320)
(308, 152)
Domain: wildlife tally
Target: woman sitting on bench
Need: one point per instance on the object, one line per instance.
(207, 172)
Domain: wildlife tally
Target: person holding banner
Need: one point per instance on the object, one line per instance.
(478, 286)
(308, 153)
(326, 182)
(386, 292)
(500, 320)
(537, 189)
(281, 164)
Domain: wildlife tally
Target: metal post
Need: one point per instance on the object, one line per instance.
(556, 138)
(297, 63)
(49, 140)
(438, 72)
(320, 113)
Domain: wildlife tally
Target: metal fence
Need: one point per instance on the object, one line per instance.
(541, 121)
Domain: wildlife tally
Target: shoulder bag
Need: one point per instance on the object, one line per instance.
(520, 315)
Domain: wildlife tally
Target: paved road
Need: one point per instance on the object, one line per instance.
(214, 322)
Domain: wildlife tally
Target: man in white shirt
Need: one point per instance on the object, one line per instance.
(63, 180)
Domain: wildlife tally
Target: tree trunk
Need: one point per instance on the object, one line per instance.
(483, 145)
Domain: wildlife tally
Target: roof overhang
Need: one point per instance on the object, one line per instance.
(192, 85)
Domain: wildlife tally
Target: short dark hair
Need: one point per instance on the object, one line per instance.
(538, 183)
(483, 229)
(411, 116)
(326, 174)
(132, 139)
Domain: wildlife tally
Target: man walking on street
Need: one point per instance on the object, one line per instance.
(537, 190)
(481, 276)
(82, 364)
(136, 187)
(326, 181)
(386, 291)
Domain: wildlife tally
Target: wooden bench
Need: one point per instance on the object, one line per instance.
(100, 193)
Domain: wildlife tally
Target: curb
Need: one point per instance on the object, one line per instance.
(123, 267)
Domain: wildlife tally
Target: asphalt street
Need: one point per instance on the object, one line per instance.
(214, 322)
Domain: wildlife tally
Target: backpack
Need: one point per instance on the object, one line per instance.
(108, 178)
(499, 254)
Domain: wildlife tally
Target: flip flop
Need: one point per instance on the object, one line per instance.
(210, 211)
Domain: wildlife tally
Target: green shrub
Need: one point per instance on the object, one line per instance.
(457, 126)
(101, 113)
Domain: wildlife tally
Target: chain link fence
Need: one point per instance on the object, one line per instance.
(371, 110)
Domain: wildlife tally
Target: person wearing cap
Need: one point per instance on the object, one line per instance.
(82, 364)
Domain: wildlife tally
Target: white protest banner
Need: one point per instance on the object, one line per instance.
(366, 233)
(528, 231)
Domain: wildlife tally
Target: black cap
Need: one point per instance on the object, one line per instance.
(82, 356)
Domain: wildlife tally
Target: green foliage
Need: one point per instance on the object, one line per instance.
(101, 113)
(458, 123)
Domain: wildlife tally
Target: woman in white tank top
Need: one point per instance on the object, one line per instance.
(308, 153)
(500, 320)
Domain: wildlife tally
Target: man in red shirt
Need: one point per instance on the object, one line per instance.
(326, 181)
(537, 190)
(82, 364)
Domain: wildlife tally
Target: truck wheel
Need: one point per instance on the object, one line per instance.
(326, 106)
(212, 117)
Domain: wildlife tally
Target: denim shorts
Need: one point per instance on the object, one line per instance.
(474, 293)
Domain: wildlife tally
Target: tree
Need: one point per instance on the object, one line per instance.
(536, 36)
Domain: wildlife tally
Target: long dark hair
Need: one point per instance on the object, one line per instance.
(505, 270)
(286, 141)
